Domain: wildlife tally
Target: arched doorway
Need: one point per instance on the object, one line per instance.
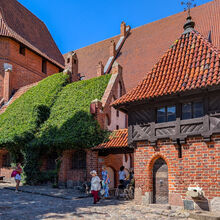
(111, 174)
(160, 182)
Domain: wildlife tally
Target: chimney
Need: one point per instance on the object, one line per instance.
(71, 63)
(7, 82)
(100, 69)
(123, 29)
(116, 68)
(112, 49)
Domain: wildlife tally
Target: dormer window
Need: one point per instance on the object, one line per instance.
(22, 49)
(166, 114)
(192, 110)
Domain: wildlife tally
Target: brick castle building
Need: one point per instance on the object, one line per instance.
(173, 117)
(136, 50)
(28, 54)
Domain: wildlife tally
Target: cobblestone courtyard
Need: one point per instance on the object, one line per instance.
(23, 205)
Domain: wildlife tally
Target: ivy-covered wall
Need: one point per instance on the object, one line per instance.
(70, 124)
(52, 116)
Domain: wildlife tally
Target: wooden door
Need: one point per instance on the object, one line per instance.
(160, 182)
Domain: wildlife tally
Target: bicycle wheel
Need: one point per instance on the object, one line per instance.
(131, 192)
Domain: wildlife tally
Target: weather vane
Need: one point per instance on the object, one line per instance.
(189, 4)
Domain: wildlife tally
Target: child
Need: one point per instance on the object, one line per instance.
(95, 186)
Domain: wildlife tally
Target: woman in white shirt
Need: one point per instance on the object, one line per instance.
(95, 186)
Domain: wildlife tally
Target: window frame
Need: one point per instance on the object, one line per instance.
(6, 160)
(166, 113)
(76, 157)
(192, 103)
(22, 49)
(44, 66)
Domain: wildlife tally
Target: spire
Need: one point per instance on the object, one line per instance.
(189, 25)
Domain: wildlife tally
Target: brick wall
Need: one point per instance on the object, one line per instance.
(26, 69)
(77, 176)
(198, 167)
(4, 171)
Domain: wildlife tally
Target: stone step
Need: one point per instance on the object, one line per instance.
(160, 206)
(204, 216)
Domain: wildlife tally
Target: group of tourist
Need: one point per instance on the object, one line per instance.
(98, 185)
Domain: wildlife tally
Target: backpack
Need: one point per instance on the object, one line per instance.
(14, 173)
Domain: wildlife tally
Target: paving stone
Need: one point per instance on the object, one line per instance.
(34, 206)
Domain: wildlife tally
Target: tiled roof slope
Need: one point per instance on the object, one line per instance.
(146, 44)
(19, 23)
(117, 139)
(192, 62)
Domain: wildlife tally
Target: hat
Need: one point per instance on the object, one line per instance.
(93, 172)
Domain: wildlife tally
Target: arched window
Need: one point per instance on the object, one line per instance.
(79, 160)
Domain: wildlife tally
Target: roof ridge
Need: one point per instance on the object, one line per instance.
(186, 56)
(181, 12)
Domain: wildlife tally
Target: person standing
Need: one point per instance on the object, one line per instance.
(105, 181)
(95, 186)
(123, 177)
(18, 171)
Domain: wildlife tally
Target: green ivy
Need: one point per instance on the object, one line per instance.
(70, 124)
(22, 118)
(51, 117)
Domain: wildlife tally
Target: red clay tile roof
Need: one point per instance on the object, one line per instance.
(117, 139)
(146, 44)
(192, 62)
(19, 23)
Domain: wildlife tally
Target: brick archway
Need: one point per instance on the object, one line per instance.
(160, 182)
(150, 165)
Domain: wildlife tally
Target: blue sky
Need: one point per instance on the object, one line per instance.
(78, 23)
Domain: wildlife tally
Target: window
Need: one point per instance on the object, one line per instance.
(68, 60)
(107, 120)
(117, 113)
(186, 111)
(74, 61)
(120, 89)
(117, 127)
(22, 49)
(192, 110)
(6, 160)
(166, 114)
(44, 66)
(198, 109)
(51, 161)
(79, 160)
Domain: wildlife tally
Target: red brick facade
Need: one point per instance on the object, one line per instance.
(4, 169)
(26, 69)
(198, 167)
(74, 176)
